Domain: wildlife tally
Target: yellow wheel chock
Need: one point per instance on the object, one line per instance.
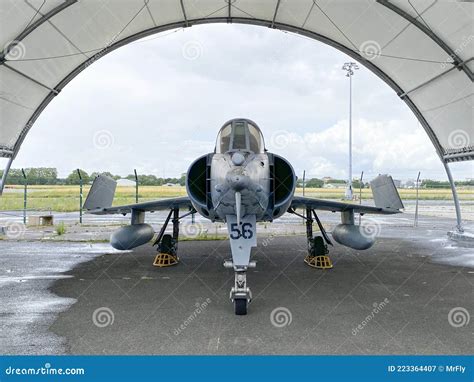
(165, 260)
(320, 262)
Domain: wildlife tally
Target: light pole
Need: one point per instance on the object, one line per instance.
(349, 67)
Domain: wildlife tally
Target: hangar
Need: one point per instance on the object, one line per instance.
(423, 50)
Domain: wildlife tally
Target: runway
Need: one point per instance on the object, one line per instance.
(88, 299)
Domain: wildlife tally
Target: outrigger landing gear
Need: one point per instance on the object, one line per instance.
(318, 245)
(168, 244)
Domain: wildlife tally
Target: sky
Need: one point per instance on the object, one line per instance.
(158, 103)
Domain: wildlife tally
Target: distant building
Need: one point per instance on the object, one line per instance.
(334, 185)
(125, 182)
(326, 179)
(398, 183)
(411, 184)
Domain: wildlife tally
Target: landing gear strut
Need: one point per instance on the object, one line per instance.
(317, 245)
(240, 293)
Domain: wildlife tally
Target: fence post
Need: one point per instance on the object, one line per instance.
(415, 224)
(304, 186)
(360, 193)
(136, 185)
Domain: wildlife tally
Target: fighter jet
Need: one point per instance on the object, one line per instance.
(241, 183)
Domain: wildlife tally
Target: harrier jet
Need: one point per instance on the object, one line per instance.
(241, 183)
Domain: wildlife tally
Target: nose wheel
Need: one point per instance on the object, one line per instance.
(240, 306)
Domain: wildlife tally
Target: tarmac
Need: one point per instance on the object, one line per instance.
(411, 293)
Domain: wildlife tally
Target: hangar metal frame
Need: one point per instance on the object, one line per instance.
(457, 63)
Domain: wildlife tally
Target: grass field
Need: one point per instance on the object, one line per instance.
(66, 198)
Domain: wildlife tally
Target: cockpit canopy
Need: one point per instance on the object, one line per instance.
(240, 135)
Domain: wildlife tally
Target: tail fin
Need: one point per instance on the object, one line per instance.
(101, 194)
(385, 193)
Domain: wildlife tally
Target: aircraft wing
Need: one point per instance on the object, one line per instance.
(330, 205)
(386, 199)
(101, 195)
(153, 205)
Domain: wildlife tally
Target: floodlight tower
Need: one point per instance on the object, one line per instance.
(349, 67)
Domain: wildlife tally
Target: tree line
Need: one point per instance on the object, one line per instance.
(49, 176)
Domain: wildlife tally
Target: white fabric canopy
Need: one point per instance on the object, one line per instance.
(422, 48)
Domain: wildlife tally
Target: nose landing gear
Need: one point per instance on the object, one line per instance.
(243, 236)
(240, 293)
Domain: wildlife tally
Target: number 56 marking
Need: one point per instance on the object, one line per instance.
(245, 232)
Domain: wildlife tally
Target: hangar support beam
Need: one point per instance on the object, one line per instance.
(33, 26)
(458, 62)
(457, 205)
(5, 174)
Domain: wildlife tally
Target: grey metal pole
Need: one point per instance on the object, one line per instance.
(304, 183)
(136, 185)
(304, 178)
(457, 206)
(349, 183)
(25, 192)
(80, 196)
(416, 206)
(349, 67)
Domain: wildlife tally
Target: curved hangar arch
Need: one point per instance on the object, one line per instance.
(423, 50)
